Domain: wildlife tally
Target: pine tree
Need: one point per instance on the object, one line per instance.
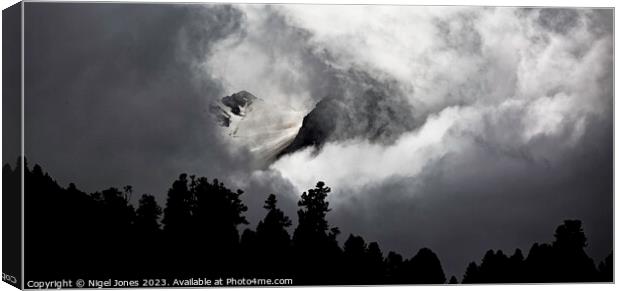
(394, 268)
(271, 231)
(147, 215)
(317, 251)
(539, 264)
(515, 267)
(219, 210)
(148, 235)
(425, 268)
(355, 267)
(177, 215)
(272, 240)
(313, 208)
(374, 263)
(572, 264)
(471, 274)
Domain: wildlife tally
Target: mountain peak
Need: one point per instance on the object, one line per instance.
(373, 115)
(265, 127)
(238, 101)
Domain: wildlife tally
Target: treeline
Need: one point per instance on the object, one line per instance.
(564, 260)
(72, 234)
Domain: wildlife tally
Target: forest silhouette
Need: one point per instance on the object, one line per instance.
(73, 234)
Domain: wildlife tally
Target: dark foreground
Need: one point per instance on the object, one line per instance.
(101, 240)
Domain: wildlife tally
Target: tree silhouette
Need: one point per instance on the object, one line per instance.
(317, 251)
(121, 213)
(424, 268)
(606, 269)
(365, 263)
(178, 229)
(148, 235)
(313, 226)
(119, 224)
(375, 263)
(571, 262)
(147, 215)
(564, 260)
(249, 249)
(494, 268)
(471, 274)
(200, 222)
(394, 268)
(354, 256)
(104, 237)
(515, 272)
(570, 237)
(539, 263)
(271, 231)
(177, 215)
(272, 239)
(218, 210)
(86, 229)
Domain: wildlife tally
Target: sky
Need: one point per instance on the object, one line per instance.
(510, 130)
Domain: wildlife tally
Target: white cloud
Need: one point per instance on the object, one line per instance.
(503, 77)
(357, 162)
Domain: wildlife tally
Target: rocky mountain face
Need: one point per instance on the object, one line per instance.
(274, 130)
(372, 116)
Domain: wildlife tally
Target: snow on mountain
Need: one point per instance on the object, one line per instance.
(265, 128)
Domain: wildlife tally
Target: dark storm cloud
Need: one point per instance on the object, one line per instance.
(111, 98)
